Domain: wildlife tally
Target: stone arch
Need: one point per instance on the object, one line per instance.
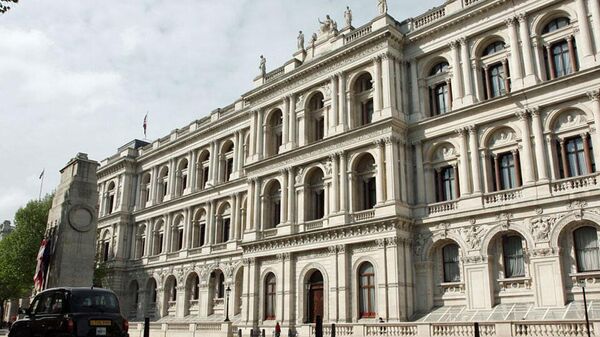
(203, 155)
(500, 135)
(539, 22)
(269, 184)
(480, 44)
(429, 62)
(199, 212)
(442, 150)
(182, 164)
(355, 303)
(580, 117)
(571, 220)
(499, 229)
(310, 171)
(356, 158)
(305, 275)
(223, 207)
(238, 282)
(272, 113)
(227, 146)
(192, 291)
(352, 80)
(439, 241)
(309, 97)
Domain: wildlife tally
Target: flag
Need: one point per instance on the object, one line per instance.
(42, 265)
(42, 174)
(145, 124)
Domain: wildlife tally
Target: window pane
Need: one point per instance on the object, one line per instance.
(586, 249)
(451, 263)
(514, 264)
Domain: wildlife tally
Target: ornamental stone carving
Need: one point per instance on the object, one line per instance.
(420, 241)
(473, 259)
(543, 252)
(442, 229)
(504, 220)
(540, 227)
(472, 236)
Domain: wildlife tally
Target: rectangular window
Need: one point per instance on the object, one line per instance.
(451, 263)
(228, 169)
(448, 181)
(180, 239)
(276, 212)
(225, 233)
(319, 128)
(204, 177)
(514, 262)
(507, 171)
(370, 193)
(319, 207)
(160, 243)
(202, 235)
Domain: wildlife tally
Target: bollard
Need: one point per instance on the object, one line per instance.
(263, 333)
(147, 327)
(239, 332)
(332, 329)
(290, 333)
(319, 327)
(476, 328)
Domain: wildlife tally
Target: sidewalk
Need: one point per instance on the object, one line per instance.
(3, 332)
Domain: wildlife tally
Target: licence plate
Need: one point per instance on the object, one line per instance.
(100, 322)
(100, 331)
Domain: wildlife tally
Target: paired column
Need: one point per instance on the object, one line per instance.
(334, 103)
(260, 132)
(463, 176)
(377, 80)
(286, 123)
(420, 172)
(456, 75)
(595, 8)
(284, 196)
(515, 58)
(530, 78)
(343, 182)
(402, 167)
(292, 120)
(380, 172)
(291, 194)
(525, 155)
(342, 106)
(252, 149)
(391, 163)
(474, 149)
(538, 135)
(585, 43)
(334, 195)
(416, 108)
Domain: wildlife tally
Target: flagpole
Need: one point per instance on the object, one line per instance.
(41, 185)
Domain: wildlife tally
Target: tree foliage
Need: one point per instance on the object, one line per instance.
(5, 5)
(18, 251)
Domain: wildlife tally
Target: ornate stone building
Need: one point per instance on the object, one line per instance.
(431, 171)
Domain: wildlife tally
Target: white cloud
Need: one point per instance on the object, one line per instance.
(78, 76)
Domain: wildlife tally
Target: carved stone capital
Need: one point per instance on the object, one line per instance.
(461, 131)
(522, 17)
(522, 114)
(594, 95)
(511, 21)
(463, 41)
(472, 129)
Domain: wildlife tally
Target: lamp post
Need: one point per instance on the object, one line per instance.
(587, 320)
(228, 291)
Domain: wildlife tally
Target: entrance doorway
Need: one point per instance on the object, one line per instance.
(314, 288)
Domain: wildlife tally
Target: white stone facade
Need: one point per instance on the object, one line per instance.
(387, 170)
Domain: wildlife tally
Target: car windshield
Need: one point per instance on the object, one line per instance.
(91, 301)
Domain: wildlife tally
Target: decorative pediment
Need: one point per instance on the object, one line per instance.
(569, 120)
(445, 152)
(502, 137)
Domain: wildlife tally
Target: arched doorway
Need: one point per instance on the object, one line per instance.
(314, 289)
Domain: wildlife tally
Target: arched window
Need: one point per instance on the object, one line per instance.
(203, 167)
(560, 55)
(163, 183)
(105, 246)
(182, 177)
(316, 118)
(575, 155)
(493, 48)
(316, 195)
(173, 291)
(275, 132)
(177, 234)
(440, 95)
(158, 238)
(587, 252)
(273, 204)
(439, 68)
(221, 286)
(196, 288)
(140, 241)
(224, 224)
(270, 297)
(315, 303)
(110, 201)
(366, 292)
(446, 183)
(451, 263)
(366, 186)
(227, 161)
(363, 97)
(152, 294)
(514, 260)
(199, 230)
(145, 190)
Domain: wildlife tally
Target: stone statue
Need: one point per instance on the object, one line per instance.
(301, 41)
(383, 7)
(263, 66)
(327, 25)
(348, 16)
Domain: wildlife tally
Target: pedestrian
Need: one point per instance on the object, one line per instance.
(381, 329)
(277, 330)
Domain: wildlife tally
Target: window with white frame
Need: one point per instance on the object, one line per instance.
(363, 100)
(560, 50)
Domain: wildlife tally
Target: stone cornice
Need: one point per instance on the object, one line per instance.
(126, 163)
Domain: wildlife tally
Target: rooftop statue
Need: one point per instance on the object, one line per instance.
(263, 66)
(383, 7)
(328, 25)
(301, 41)
(348, 16)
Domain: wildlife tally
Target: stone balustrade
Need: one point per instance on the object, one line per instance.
(363, 215)
(573, 184)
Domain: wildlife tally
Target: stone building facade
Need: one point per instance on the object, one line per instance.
(445, 162)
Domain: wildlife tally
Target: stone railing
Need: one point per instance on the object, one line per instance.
(390, 330)
(452, 288)
(576, 183)
(429, 17)
(502, 197)
(363, 215)
(219, 246)
(591, 278)
(517, 283)
(461, 329)
(314, 224)
(358, 33)
(442, 207)
(274, 74)
(543, 329)
(208, 327)
(469, 2)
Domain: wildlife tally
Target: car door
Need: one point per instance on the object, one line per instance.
(39, 313)
(52, 319)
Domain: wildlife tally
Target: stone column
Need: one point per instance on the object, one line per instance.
(525, 154)
(487, 176)
(465, 188)
(466, 71)
(377, 87)
(235, 217)
(399, 92)
(585, 43)
(284, 196)
(475, 166)
(515, 55)
(289, 288)
(529, 66)
(479, 96)
(252, 150)
(172, 178)
(391, 165)
(291, 195)
(594, 96)
(414, 73)
(335, 110)
(394, 270)
(343, 182)
(293, 128)
(260, 134)
(552, 155)
(286, 123)
(343, 108)
(595, 8)
(457, 85)
(250, 205)
(386, 84)
(380, 172)
(192, 173)
(342, 284)
(420, 172)
(335, 190)
(252, 291)
(214, 157)
(538, 135)
(402, 166)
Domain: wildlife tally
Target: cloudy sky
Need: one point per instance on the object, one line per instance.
(78, 76)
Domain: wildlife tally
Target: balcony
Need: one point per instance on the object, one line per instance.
(363, 215)
(442, 207)
(575, 184)
(314, 224)
(503, 197)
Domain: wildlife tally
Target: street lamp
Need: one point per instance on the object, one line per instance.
(227, 291)
(587, 320)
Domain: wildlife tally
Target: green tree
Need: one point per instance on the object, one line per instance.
(4, 5)
(18, 250)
